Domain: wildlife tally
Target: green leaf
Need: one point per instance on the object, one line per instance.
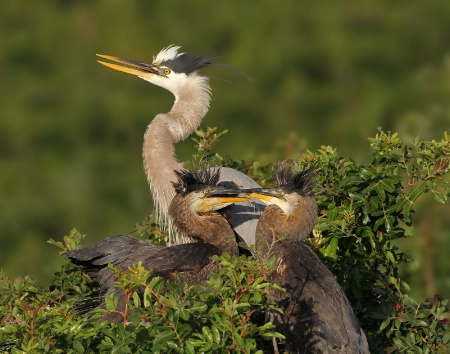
(188, 348)
(78, 347)
(368, 174)
(384, 324)
(207, 333)
(399, 343)
(216, 334)
(388, 184)
(184, 314)
(330, 250)
(405, 286)
(136, 299)
(195, 342)
(410, 338)
(446, 338)
(163, 336)
(147, 296)
(378, 223)
(238, 339)
(198, 308)
(388, 224)
(417, 190)
(380, 191)
(391, 258)
(421, 324)
(111, 302)
(356, 196)
(172, 345)
(273, 334)
(440, 197)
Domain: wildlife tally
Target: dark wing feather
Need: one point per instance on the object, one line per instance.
(317, 315)
(192, 259)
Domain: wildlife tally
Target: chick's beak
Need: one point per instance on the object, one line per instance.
(218, 198)
(129, 66)
(265, 194)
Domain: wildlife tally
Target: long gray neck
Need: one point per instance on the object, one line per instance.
(191, 105)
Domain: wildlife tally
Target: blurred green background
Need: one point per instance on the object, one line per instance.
(324, 73)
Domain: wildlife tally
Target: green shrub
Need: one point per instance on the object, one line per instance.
(363, 208)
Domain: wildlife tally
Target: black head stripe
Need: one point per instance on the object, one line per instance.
(185, 63)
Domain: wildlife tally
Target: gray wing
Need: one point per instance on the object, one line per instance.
(245, 215)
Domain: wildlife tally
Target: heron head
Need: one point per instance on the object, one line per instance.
(169, 68)
(290, 190)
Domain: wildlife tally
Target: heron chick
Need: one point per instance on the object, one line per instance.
(194, 209)
(317, 316)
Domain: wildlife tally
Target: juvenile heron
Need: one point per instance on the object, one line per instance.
(317, 317)
(193, 208)
(177, 72)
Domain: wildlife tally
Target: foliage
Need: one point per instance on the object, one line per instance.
(363, 209)
(205, 142)
(417, 328)
(225, 316)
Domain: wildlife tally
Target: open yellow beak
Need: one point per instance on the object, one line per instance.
(267, 195)
(263, 197)
(224, 200)
(216, 203)
(129, 66)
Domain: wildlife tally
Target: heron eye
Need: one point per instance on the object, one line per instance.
(167, 71)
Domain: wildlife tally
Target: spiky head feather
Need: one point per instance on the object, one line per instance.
(301, 182)
(189, 181)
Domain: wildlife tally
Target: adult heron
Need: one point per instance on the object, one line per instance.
(317, 317)
(194, 209)
(178, 73)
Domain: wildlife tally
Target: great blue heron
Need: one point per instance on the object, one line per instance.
(317, 317)
(193, 208)
(177, 72)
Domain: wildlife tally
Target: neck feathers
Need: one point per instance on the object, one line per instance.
(191, 105)
(208, 227)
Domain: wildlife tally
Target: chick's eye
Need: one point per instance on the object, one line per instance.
(167, 71)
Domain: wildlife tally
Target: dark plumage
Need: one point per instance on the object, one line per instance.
(317, 316)
(193, 260)
(190, 181)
